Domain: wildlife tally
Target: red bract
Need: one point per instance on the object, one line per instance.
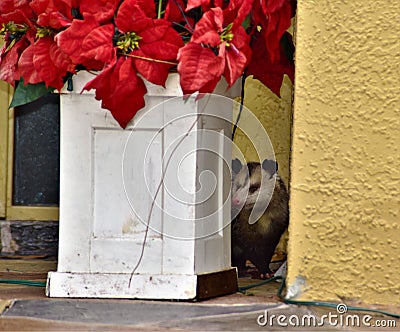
(26, 67)
(88, 43)
(238, 55)
(199, 68)
(9, 61)
(45, 62)
(174, 12)
(55, 14)
(237, 10)
(51, 63)
(102, 10)
(17, 11)
(264, 69)
(120, 90)
(275, 18)
(132, 18)
(204, 4)
(226, 44)
(159, 42)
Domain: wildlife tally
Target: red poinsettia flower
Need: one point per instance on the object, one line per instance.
(153, 42)
(218, 47)
(142, 45)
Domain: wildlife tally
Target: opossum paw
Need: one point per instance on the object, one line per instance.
(266, 275)
(263, 276)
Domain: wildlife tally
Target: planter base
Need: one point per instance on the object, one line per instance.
(116, 285)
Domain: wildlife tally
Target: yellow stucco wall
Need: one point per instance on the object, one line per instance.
(345, 221)
(275, 115)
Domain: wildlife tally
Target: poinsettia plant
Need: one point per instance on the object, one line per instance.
(128, 41)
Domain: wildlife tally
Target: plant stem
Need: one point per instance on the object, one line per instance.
(159, 8)
(150, 59)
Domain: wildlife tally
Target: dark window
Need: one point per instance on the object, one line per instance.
(37, 152)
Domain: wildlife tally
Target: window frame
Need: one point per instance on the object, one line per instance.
(7, 209)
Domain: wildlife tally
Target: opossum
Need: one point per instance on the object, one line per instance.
(259, 187)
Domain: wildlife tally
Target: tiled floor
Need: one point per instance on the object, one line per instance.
(27, 308)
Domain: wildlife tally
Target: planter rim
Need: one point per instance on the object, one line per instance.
(172, 86)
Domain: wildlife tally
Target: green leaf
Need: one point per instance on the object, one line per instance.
(246, 22)
(25, 94)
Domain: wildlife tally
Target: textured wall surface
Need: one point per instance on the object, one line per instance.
(344, 233)
(275, 115)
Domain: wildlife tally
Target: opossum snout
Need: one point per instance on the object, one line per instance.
(237, 201)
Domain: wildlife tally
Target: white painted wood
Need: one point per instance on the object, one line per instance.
(111, 285)
(214, 160)
(123, 173)
(117, 255)
(75, 183)
(109, 177)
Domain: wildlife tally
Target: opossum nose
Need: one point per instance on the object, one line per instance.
(236, 201)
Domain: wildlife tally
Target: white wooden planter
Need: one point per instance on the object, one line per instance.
(109, 178)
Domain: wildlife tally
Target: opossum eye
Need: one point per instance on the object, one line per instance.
(254, 188)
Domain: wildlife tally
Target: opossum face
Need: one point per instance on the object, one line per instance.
(252, 183)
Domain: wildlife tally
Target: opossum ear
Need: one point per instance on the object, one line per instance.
(271, 166)
(236, 166)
